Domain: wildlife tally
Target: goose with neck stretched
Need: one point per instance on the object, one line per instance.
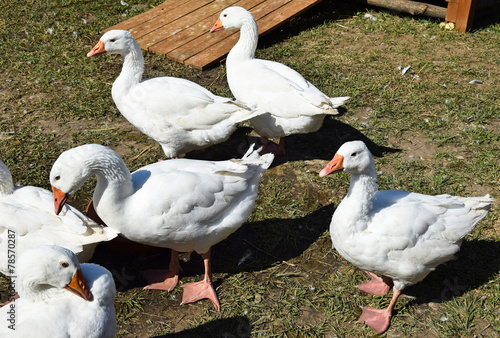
(289, 104)
(179, 114)
(28, 216)
(399, 235)
(181, 204)
(58, 297)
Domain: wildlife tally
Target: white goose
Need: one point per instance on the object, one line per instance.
(59, 298)
(179, 114)
(28, 215)
(290, 103)
(180, 204)
(400, 235)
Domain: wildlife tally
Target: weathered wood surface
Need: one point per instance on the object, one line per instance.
(180, 30)
(410, 7)
(461, 12)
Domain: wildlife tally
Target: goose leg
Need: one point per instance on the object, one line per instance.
(265, 144)
(378, 319)
(273, 148)
(16, 296)
(164, 279)
(376, 286)
(281, 147)
(203, 289)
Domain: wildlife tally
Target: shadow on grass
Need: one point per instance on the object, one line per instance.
(255, 246)
(321, 144)
(477, 261)
(237, 327)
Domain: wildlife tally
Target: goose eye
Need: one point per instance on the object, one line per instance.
(57, 178)
(112, 40)
(64, 264)
(224, 15)
(354, 154)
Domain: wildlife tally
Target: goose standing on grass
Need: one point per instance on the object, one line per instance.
(28, 214)
(181, 204)
(290, 104)
(399, 235)
(179, 114)
(58, 297)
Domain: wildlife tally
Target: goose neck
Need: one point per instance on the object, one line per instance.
(113, 177)
(247, 43)
(34, 290)
(132, 69)
(362, 187)
(6, 188)
(6, 183)
(357, 205)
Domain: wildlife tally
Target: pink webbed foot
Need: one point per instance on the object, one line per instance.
(161, 279)
(377, 319)
(200, 290)
(376, 286)
(164, 279)
(16, 296)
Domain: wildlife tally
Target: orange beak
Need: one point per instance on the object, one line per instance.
(98, 49)
(59, 199)
(79, 287)
(217, 26)
(335, 165)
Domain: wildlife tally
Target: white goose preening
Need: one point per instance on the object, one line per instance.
(182, 204)
(58, 297)
(399, 235)
(290, 103)
(179, 114)
(28, 214)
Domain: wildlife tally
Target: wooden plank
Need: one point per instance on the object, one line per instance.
(177, 33)
(267, 22)
(201, 27)
(207, 40)
(461, 12)
(146, 16)
(180, 30)
(171, 18)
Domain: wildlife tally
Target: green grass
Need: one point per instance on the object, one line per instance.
(431, 130)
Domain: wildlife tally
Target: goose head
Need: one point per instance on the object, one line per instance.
(114, 42)
(74, 166)
(48, 270)
(69, 172)
(232, 18)
(6, 183)
(353, 157)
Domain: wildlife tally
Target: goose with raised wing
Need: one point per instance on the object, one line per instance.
(58, 297)
(398, 235)
(28, 218)
(181, 204)
(179, 114)
(288, 102)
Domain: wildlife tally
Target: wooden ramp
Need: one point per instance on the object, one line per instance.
(180, 30)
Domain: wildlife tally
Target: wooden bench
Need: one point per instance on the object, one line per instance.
(180, 30)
